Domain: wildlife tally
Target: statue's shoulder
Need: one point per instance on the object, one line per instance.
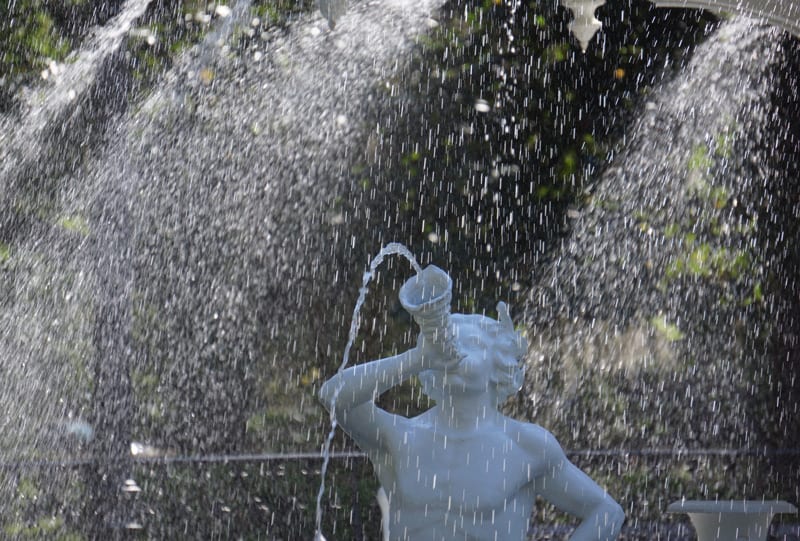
(537, 441)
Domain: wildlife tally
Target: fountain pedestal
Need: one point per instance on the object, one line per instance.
(731, 520)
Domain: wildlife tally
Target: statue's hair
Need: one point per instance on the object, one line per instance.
(499, 336)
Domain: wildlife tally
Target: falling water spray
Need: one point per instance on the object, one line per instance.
(389, 249)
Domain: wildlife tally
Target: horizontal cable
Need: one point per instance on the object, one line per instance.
(763, 451)
(278, 457)
(174, 459)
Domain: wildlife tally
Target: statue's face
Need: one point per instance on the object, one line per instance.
(486, 358)
(469, 377)
(473, 372)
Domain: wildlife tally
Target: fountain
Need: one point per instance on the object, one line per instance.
(177, 262)
(461, 469)
(741, 520)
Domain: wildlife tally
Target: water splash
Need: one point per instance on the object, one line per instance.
(47, 108)
(218, 37)
(673, 341)
(390, 249)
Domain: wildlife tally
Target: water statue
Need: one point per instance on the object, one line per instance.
(462, 469)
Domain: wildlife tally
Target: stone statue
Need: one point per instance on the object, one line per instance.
(461, 470)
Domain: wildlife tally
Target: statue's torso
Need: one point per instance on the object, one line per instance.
(469, 486)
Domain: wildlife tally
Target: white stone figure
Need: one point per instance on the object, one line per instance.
(584, 24)
(462, 470)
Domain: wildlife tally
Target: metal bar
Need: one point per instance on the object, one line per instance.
(276, 457)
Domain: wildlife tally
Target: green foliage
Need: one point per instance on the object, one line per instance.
(718, 195)
(51, 528)
(27, 489)
(34, 32)
(713, 247)
(669, 331)
(75, 223)
(757, 295)
(698, 262)
(411, 162)
(705, 261)
(5, 253)
(699, 160)
(723, 147)
(556, 53)
(37, 513)
(569, 163)
(276, 12)
(30, 37)
(672, 230)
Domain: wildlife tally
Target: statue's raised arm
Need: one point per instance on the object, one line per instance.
(351, 393)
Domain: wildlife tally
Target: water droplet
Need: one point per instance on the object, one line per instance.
(130, 486)
(222, 11)
(482, 106)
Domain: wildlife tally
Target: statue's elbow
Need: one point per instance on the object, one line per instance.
(325, 394)
(615, 514)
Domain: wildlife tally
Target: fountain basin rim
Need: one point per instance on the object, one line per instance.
(732, 506)
(787, 18)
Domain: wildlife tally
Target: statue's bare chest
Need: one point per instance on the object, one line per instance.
(461, 474)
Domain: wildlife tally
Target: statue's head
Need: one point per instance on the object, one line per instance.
(491, 353)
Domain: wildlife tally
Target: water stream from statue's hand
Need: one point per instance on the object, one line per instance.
(389, 249)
